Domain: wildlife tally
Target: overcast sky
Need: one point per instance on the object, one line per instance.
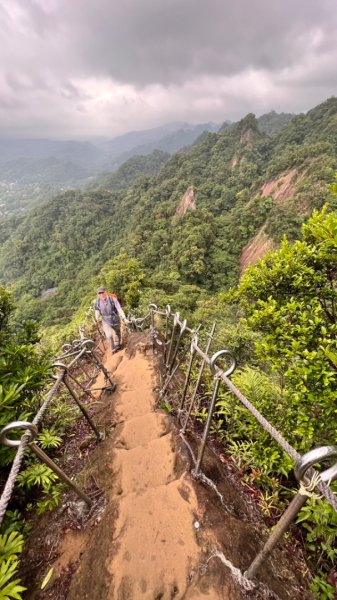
(85, 68)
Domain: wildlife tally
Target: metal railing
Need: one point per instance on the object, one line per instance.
(78, 351)
(174, 331)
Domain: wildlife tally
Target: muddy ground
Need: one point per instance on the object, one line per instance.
(154, 530)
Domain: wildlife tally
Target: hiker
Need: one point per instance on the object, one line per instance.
(107, 306)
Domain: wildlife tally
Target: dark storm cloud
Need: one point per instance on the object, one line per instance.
(87, 67)
(169, 42)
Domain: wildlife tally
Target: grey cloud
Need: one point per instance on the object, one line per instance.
(70, 91)
(163, 60)
(147, 41)
(23, 81)
(34, 16)
(169, 42)
(11, 104)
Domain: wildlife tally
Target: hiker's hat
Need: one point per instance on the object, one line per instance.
(100, 290)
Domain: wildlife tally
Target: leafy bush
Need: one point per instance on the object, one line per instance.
(23, 370)
(11, 545)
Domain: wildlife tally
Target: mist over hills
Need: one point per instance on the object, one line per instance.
(171, 142)
(32, 169)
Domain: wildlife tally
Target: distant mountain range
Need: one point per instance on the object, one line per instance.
(92, 158)
(145, 142)
(33, 169)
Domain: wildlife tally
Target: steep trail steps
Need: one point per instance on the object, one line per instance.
(159, 528)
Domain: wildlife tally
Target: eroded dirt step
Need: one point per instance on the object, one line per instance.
(139, 431)
(156, 549)
(146, 466)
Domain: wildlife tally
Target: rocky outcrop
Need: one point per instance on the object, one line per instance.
(247, 137)
(234, 162)
(255, 250)
(283, 187)
(188, 202)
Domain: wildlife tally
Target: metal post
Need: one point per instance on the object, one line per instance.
(209, 341)
(84, 371)
(167, 313)
(152, 308)
(100, 333)
(175, 323)
(68, 354)
(213, 401)
(280, 528)
(92, 356)
(53, 466)
(188, 373)
(301, 468)
(81, 407)
(81, 353)
(208, 424)
(182, 330)
(86, 390)
(170, 377)
(33, 431)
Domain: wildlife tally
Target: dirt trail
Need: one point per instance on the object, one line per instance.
(152, 551)
(156, 540)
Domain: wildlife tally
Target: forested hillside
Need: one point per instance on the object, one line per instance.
(245, 183)
(127, 174)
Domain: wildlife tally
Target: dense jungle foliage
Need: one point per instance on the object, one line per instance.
(279, 320)
(23, 372)
(287, 301)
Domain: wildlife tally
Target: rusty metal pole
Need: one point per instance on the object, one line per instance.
(175, 323)
(64, 369)
(84, 372)
(202, 366)
(169, 379)
(174, 356)
(167, 313)
(278, 531)
(173, 372)
(301, 468)
(81, 407)
(33, 431)
(153, 308)
(188, 373)
(217, 382)
(54, 467)
(83, 388)
(208, 425)
(90, 353)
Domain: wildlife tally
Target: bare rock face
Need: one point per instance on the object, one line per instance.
(188, 202)
(247, 137)
(234, 162)
(282, 187)
(255, 249)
